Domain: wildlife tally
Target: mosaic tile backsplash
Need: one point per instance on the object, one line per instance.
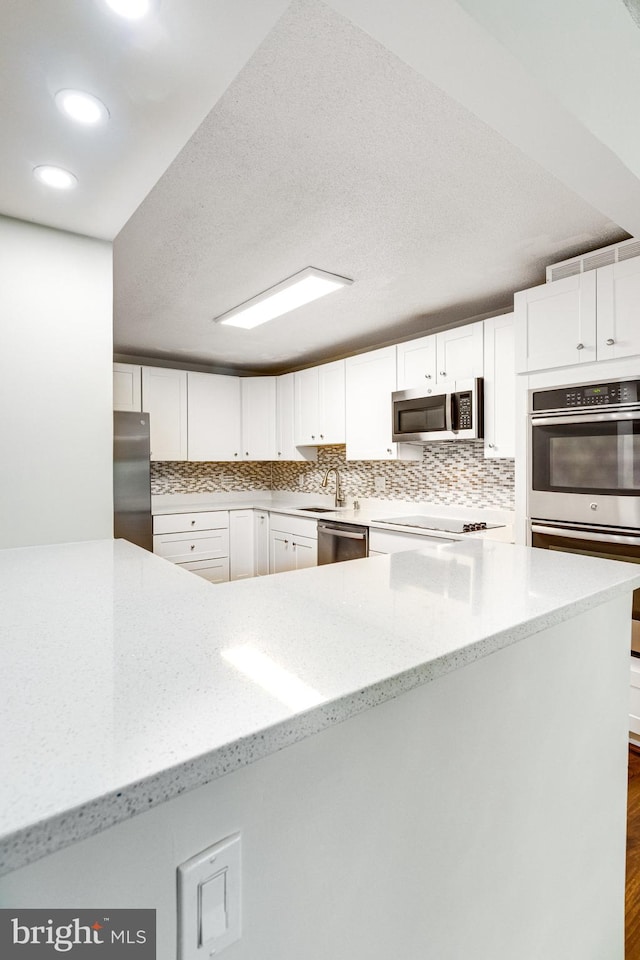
(450, 472)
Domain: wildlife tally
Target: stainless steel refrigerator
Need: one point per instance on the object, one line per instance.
(132, 479)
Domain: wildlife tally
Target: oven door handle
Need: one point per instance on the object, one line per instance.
(597, 537)
(587, 417)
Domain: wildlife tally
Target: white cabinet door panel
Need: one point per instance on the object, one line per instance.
(499, 388)
(331, 402)
(459, 353)
(214, 432)
(241, 545)
(258, 418)
(416, 361)
(556, 324)
(127, 387)
(618, 310)
(286, 448)
(164, 398)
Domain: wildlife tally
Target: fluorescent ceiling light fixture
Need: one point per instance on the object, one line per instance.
(130, 9)
(310, 284)
(83, 107)
(276, 680)
(55, 177)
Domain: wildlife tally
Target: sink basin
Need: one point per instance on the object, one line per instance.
(318, 509)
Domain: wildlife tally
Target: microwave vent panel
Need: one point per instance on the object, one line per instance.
(591, 261)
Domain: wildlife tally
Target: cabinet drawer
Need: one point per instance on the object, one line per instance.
(179, 522)
(199, 545)
(215, 571)
(297, 526)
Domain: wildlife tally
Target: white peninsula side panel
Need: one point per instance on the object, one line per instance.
(443, 823)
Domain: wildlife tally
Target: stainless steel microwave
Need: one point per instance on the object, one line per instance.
(419, 417)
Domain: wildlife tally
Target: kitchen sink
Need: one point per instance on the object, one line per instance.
(318, 509)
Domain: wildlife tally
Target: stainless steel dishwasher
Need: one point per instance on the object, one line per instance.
(341, 541)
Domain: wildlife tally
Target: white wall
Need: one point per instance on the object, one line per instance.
(56, 352)
(482, 816)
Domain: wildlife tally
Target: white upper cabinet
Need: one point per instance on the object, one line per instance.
(370, 381)
(127, 387)
(459, 353)
(499, 387)
(417, 363)
(618, 310)
(164, 398)
(258, 418)
(214, 428)
(285, 422)
(556, 323)
(441, 358)
(320, 404)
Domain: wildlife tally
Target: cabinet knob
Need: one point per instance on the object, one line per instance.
(279, 453)
(491, 446)
(389, 450)
(443, 373)
(427, 376)
(235, 454)
(193, 546)
(193, 523)
(322, 436)
(610, 342)
(246, 453)
(286, 541)
(313, 436)
(580, 346)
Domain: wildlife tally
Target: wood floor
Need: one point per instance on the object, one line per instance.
(632, 911)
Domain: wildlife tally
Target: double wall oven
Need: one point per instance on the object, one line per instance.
(584, 489)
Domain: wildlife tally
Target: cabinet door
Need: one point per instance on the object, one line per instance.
(618, 310)
(285, 422)
(164, 398)
(459, 353)
(281, 555)
(416, 361)
(241, 545)
(499, 387)
(555, 324)
(213, 417)
(307, 410)
(305, 552)
(370, 381)
(261, 538)
(331, 402)
(258, 418)
(127, 387)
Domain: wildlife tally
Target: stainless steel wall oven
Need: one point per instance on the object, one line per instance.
(584, 488)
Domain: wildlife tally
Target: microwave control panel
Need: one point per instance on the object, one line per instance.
(588, 395)
(464, 405)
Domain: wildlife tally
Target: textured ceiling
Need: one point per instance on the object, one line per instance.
(329, 151)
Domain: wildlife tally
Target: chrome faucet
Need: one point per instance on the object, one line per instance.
(339, 499)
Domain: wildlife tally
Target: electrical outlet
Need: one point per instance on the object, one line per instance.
(379, 484)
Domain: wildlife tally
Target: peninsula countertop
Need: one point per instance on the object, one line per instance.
(127, 681)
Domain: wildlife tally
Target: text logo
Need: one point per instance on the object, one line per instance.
(78, 934)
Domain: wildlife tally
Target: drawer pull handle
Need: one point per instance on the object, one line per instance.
(193, 546)
(193, 523)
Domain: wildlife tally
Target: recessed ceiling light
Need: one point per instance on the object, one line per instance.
(310, 284)
(55, 177)
(83, 107)
(130, 9)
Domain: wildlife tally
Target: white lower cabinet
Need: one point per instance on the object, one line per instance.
(241, 545)
(199, 542)
(261, 541)
(293, 543)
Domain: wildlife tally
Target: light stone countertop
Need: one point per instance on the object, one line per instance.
(369, 514)
(127, 681)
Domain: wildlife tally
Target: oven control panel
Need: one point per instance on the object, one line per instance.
(588, 395)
